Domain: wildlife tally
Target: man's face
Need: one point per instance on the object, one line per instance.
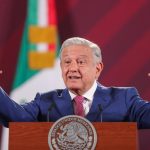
(79, 69)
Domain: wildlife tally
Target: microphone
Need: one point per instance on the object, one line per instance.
(52, 105)
(100, 112)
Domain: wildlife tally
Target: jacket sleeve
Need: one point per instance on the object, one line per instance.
(12, 111)
(138, 109)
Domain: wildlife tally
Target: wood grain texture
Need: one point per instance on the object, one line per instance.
(114, 136)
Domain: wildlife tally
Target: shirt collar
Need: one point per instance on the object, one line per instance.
(89, 94)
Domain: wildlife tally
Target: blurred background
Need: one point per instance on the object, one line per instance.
(120, 27)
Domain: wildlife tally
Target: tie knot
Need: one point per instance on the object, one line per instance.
(79, 99)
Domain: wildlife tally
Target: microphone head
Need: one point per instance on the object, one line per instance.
(59, 92)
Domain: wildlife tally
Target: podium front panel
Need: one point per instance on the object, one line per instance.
(110, 136)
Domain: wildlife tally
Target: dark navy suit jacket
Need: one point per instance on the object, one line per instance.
(111, 104)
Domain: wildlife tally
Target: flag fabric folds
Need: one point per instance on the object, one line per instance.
(38, 64)
(37, 69)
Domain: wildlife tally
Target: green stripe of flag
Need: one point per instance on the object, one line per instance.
(23, 72)
(32, 17)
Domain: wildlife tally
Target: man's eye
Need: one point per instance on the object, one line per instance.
(67, 62)
(81, 62)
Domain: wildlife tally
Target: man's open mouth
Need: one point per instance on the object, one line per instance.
(74, 77)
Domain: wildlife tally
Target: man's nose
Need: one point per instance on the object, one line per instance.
(73, 66)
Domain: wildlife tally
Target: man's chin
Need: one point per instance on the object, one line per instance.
(74, 88)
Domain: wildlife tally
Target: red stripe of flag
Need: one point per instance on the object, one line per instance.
(52, 20)
(52, 12)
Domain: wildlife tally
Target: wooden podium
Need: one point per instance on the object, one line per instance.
(111, 136)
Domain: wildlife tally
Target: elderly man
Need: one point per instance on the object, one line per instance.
(81, 65)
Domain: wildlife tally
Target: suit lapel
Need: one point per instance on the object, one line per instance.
(101, 99)
(64, 104)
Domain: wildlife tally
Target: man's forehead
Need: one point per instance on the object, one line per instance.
(76, 53)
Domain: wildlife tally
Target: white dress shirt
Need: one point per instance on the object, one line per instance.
(89, 95)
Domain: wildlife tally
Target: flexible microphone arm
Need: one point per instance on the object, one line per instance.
(52, 105)
(101, 112)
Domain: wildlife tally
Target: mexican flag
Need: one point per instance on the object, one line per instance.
(38, 63)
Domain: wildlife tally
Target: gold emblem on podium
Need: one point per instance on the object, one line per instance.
(72, 133)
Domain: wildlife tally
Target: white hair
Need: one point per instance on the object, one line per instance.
(81, 41)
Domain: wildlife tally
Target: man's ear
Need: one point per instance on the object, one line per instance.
(99, 68)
